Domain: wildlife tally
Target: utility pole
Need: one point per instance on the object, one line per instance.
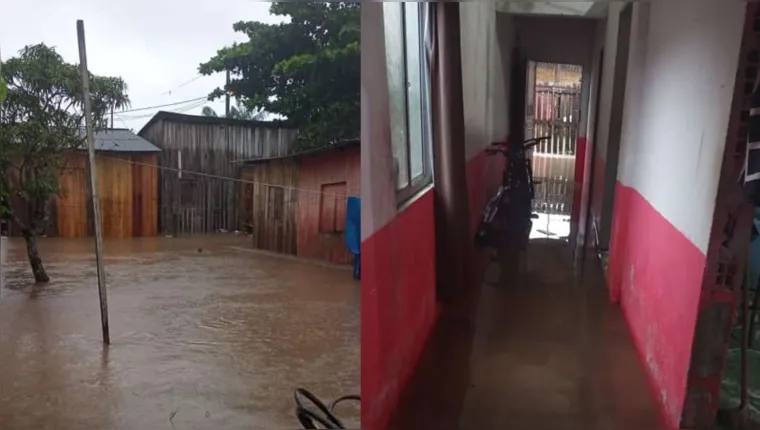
(93, 183)
(227, 96)
(112, 118)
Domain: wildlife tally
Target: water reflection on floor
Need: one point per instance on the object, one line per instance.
(551, 226)
(205, 334)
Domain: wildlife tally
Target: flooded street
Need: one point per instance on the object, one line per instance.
(205, 334)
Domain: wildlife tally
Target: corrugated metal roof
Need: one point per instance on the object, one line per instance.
(122, 140)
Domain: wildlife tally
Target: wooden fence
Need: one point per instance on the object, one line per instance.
(557, 114)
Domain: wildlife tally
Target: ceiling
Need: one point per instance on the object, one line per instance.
(561, 8)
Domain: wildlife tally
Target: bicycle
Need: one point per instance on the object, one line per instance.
(322, 415)
(508, 217)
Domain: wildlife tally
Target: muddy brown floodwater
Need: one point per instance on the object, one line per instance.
(205, 334)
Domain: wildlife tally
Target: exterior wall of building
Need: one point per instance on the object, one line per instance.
(325, 181)
(128, 188)
(201, 204)
(679, 94)
(269, 204)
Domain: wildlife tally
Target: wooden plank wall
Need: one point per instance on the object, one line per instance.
(145, 195)
(115, 188)
(271, 214)
(71, 206)
(326, 172)
(128, 196)
(210, 204)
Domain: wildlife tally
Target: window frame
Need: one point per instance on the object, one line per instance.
(415, 185)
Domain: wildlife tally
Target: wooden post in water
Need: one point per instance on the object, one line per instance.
(93, 183)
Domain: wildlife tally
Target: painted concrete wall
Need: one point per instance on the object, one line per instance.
(487, 40)
(538, 38)
(678, 98)
(398, 248)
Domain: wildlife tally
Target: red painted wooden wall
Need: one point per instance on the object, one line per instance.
(325, 181)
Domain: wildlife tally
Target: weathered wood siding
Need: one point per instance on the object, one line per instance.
(145, 195)
(193, 203)
(325, 180)
(271, 196)
(128, 196)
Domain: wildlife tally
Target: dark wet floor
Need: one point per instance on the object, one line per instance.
(209, 338)
(545, 352)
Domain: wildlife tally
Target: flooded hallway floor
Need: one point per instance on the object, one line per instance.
(205, 335)
(545, 352)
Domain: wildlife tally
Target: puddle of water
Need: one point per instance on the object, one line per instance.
(211, 339)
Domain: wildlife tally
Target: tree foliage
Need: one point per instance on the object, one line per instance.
(240, 112)
(306, 69)
(40, 120)
(3, 89)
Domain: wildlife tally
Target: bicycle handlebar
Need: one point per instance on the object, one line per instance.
(505, 149)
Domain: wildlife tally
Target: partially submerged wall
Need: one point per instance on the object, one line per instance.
(682, 70)
(398, 247)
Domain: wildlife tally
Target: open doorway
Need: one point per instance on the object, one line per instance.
(554, 101)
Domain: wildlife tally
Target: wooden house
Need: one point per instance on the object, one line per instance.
(127, 183)
(200, 169)
(296, 204)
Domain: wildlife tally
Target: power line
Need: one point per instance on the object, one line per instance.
(182, 85)
(161, 106)
(212, 176)
(151, 114)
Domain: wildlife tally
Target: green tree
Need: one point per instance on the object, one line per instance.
(3, 89)
(306, 69)
(41, 120)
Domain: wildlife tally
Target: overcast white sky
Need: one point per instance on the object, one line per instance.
(155, 45)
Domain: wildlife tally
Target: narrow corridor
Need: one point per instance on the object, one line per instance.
(547, 352)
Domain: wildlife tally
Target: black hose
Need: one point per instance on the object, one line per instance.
(324, 416)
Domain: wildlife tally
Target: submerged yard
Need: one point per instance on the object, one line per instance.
(205, 334)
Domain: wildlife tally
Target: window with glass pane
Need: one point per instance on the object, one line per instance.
(406, 31)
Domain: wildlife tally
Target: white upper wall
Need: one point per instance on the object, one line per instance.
(483, 75)
(680, 91)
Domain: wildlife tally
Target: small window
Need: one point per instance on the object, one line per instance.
(408, 43)
(332, 208)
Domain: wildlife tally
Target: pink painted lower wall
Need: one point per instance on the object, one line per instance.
(399, 307)
(655, 272)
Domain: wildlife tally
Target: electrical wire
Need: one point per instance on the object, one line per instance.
(323, 415)
(188, 82)
(212, 176)
(205, 98)
(182, 109)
